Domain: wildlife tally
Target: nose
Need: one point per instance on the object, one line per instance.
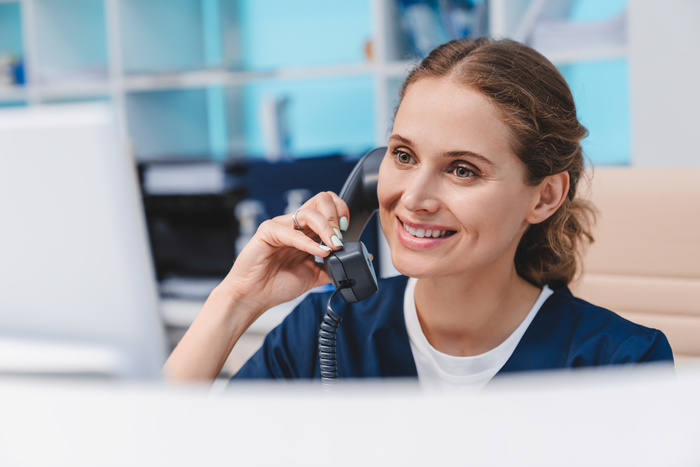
(421, 192)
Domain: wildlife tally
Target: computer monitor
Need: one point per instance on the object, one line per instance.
(77, 285)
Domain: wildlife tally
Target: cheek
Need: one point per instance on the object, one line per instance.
(388, 193)
(386, 185)
(497, 213)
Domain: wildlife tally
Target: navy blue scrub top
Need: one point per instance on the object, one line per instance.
(372, 340)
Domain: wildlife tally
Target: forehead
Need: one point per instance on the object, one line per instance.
(443, 114)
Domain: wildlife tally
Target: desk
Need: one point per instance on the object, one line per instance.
(597, 419)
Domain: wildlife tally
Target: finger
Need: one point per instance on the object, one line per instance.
(325, 214)
(285, 236)
(278, 232)
(325, 204)
(342, 211)
(317, 222)
(334, 209)
(323, 277)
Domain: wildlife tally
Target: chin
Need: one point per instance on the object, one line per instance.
(417, 269)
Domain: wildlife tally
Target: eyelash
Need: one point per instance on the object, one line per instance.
(453, 168)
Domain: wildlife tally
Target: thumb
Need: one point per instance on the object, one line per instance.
(322, 277)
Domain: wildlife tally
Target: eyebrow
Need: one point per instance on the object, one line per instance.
(450, 154)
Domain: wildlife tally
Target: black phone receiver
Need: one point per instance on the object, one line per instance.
(351, 268)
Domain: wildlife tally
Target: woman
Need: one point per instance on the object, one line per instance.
(477, 199)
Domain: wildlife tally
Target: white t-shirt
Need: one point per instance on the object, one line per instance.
(437, 370)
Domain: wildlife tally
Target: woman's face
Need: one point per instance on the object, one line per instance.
(452, 198)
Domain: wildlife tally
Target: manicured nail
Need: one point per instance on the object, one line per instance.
(337, 232)
(343, 223)
(325, 248)
(336, 241)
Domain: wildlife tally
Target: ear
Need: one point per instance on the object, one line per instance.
(552, 194)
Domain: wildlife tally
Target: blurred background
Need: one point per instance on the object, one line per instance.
(233, 111)
(229, 79)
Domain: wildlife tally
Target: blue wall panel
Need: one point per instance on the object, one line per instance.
(71, 35)
(10, 29)
(601, 91)
(278, 33)
(169, 123)
(325, 116)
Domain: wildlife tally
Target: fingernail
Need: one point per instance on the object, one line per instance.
(337, 232)
(336, 241)
(325, 248)
(343, 223)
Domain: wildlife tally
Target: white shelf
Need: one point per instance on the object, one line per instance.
(12, 94)
(204, 78)
(74, 90)
(331, 71)
(49, 79)
(399, 69)
(566, 57)
(508, 18)
(182, 80)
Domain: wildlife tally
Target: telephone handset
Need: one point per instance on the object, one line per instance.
(351, 268)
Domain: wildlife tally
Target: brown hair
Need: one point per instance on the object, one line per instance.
(537, 105)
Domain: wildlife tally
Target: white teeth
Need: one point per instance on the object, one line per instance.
(423, 233)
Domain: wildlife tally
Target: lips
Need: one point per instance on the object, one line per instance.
(422, 236)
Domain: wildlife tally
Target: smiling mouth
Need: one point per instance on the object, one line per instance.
(426, 233)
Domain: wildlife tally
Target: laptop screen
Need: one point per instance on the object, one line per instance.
(76, 275)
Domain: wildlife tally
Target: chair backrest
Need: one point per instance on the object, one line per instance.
(645, 262)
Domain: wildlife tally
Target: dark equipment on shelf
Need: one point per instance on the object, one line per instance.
(193, 230)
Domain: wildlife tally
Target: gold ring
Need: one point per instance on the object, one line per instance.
(294, 219)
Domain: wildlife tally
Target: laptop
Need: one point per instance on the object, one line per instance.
(77, 285)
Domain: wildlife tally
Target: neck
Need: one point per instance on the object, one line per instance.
(466, 316)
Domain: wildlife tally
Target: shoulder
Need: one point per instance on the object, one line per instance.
(562, 305)
(569, 332)
(613, 338)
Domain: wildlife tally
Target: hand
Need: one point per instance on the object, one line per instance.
(278, 264)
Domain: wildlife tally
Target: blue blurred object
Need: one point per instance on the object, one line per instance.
(423, 25)
(18, 72)
(429, 23)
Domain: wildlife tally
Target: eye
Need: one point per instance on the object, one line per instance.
(462, 171)
(402, 157)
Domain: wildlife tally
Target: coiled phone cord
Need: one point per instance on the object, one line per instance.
(327, 340)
